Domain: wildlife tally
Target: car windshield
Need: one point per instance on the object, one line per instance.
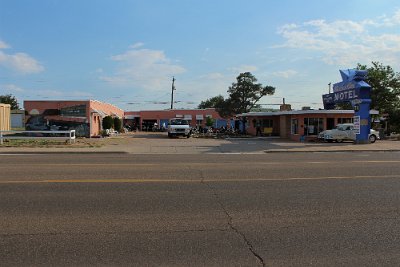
(340, 127)
(179, 122)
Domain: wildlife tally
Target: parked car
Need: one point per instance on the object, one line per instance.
(36, 127)
(343, 132)
(179, 127)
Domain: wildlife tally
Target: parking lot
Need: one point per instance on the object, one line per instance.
(159, 143)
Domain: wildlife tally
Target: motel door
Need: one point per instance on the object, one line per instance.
(330, 123)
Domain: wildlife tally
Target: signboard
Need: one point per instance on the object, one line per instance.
(356, 121)
(353, 89)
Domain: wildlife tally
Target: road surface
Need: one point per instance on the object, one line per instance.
(283, 209)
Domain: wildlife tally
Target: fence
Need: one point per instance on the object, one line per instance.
(48, 135)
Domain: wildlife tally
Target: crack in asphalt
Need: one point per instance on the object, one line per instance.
(230, 221)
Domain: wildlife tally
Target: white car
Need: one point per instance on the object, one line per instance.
(343, 132)
(179, 127)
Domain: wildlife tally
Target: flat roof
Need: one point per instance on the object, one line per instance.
(301, 112)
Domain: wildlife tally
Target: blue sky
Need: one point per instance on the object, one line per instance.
(126, 52)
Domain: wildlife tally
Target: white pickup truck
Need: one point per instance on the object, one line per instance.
(179, 127)
(343, 132)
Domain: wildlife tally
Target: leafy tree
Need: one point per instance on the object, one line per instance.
(385, 85)
(108, 122)
(243, 96)
(212, 102)
(246, 92)
(9, 99)
(117, 124)
(385, 93)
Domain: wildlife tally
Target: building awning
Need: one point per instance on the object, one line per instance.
(131, 117)
(101, 113)
(295, 112)
(302, 112)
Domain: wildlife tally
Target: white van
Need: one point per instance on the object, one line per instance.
(178, 127)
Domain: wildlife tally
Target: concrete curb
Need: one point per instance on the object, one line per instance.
(61, 152)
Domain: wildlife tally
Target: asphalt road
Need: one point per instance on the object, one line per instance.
(301, 209)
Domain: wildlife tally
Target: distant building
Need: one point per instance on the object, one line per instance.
(145, 120)
(17, 118)
(84, 116)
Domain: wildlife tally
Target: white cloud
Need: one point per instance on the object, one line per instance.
(64, 94)
(143, 69)
(136, 45)
(3, 45)
(385, 21)
(345, 42)
(285, 74)
(19, 62)
(243, 68)
(214, 76)
(11, 88)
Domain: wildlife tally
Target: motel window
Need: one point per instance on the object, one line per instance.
(267, 123)
(345, 120)
(313, 126)
(295, 126)
(74, 111)
(199, 122)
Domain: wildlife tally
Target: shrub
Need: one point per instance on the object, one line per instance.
(108, 122)
(117, 124)
(210, 121)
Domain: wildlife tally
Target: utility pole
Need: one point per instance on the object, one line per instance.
(172, 92)
(329, 85)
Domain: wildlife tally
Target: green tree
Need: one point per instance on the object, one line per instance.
(385, 93)
(246, 92)
(117, 124)
(108, 122)
(221, 105)
(212, 102)
(385, 83)
(244, 95)
(9, 99)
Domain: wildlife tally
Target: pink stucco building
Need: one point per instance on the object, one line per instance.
(85, 116)
(147, 118)
(295, 124)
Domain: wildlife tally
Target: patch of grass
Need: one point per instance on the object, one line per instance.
(30, 143)
(51, 143)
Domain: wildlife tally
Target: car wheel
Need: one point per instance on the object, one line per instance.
(372, 138)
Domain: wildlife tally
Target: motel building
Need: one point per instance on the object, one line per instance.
(146, 119)
(297, 125)
(86, 118)
(83, 116)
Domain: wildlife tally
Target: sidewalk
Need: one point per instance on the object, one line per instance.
(159, 143)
